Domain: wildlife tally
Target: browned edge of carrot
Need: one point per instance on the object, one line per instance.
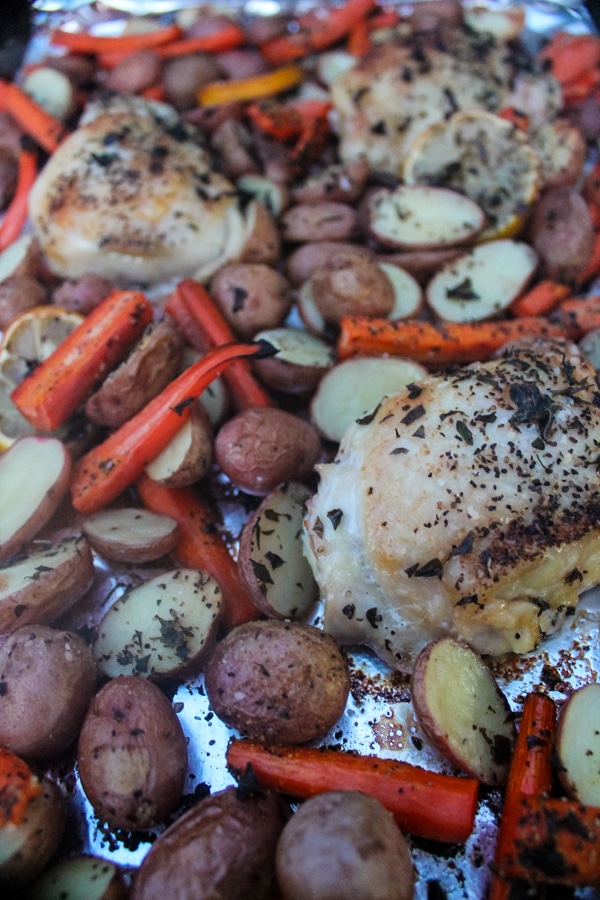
(427, 804)
(530, 775)
(556, 841)
(113, 465)
(200, 546)
(45, 129)
(205, 328)
(58, 385)
(89, 43)
(444, 344)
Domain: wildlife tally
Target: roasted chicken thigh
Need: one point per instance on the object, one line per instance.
(132, 196)
(468, 504)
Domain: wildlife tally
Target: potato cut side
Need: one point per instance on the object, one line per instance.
(163, 628)
(271, 563)
(562, 150)
(131, 535)
(52, 90)
(462, 710)
(417, 217)
(354, 388)
(22, 257)
(504, 24)
(485, 157)
(187, 458)
(408, 295)
(578, 745)
(79, 877)
(482, 283)
(301, 361)
(34, 478)
(42, 586)
(270, 193)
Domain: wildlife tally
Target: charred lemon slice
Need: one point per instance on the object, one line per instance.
(485, 157)
(29, 339)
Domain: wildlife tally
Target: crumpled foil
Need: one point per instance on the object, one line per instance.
(379, 718)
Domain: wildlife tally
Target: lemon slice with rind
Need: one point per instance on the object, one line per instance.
(485, 157)
(29, 339)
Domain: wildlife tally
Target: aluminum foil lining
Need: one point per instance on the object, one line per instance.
(379, 718)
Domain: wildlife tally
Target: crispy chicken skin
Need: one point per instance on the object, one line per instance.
(469, 505)
(130, 195)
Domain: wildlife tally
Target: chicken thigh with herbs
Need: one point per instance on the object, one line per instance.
(468, 504)
(132, 196)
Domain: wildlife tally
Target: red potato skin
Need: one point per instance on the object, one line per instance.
(49, 678)
(278, 681)
(262, 447)
(251, 297)
(44, 822)
(132, 754)
(223, 847)
(47, 506)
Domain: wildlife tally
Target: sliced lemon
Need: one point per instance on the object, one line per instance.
(485, 157)
(29, 339)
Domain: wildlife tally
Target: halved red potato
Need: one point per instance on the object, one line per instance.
(483, 282)
(408, 294)
(272, 566)
(22, 257)
(300, 363)
(416, 217)
(339, 182)
(34, 478)
(422, 264)
(27, 848)
(162, 628)
(52, 90)
(504, 24)
(273, 195)
(462, 710)
(327, 221)
(44, 584)
(78, 877)
(578, 745)
(131, 535)
(353, 388)
(561, 147)
(562, 233)
(187, 458)
(303, 261)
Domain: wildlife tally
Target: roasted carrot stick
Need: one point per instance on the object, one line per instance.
(530, 775)
(85, 42)
(200, 545)
(18, 785)
(359, 40)
(229, 37)
(437, 345)
(58, 386)
(577, 316)
(45, 129)
(556, 842)
(110, 467)
(270, 83)
(440, 807)
(541, 299)
(572, 55)
(205, 327)
(323, 32)
(16, 214)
